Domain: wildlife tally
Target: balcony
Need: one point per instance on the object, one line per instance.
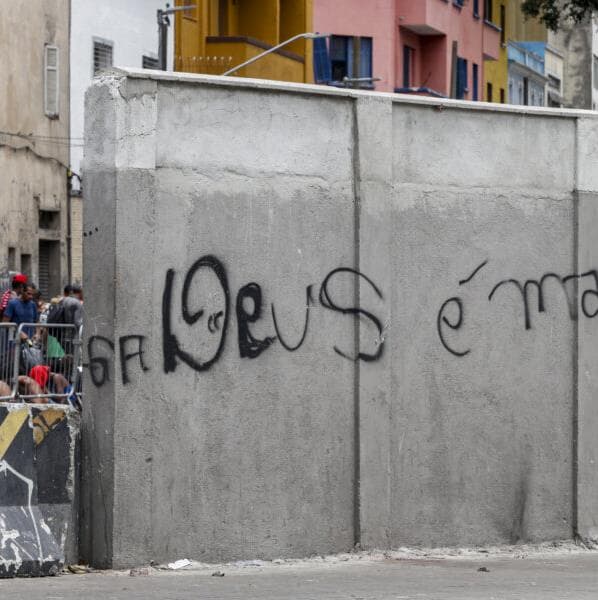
(224, 52)
(521, 55)
(425, 17)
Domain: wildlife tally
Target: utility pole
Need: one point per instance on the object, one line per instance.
(163, 24)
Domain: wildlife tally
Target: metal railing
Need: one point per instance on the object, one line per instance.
(40, 362)
(212, 65)
(8, 333)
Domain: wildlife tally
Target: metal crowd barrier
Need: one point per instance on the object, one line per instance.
(8, 333)
(40, 362)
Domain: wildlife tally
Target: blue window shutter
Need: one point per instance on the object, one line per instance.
(461, 78)
(322, 72)
(365, 59)
(474, 83)
(349, 57)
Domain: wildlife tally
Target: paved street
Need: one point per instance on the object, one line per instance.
(557, 576)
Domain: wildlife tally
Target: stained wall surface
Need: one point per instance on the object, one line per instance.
(34, 144)
(317, 318)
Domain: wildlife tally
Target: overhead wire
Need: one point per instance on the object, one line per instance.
(75, 142)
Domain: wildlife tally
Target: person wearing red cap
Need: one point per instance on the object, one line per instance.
(18, 281)
(41, 381)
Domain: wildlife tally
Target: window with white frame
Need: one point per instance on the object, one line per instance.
(51, 82)
(102, 55)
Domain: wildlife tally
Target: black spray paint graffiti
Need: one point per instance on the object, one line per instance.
(99, 364)
(170, 346)
(249, 345)
(248, 310)
(567, 283)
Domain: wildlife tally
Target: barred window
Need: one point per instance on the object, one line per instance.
(51, 90)
(102, 56)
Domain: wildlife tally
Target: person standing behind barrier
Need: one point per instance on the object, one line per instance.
(22, 310)
(67, 311)
(73, 306)
(18, 281)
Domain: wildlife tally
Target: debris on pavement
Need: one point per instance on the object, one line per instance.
(179, 564)
(249, 563)
(78, 569)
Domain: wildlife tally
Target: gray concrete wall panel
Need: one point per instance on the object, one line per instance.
(336, 318)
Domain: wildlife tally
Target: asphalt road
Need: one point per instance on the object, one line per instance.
(547, 578)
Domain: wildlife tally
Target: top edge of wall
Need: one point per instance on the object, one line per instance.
(322, 90)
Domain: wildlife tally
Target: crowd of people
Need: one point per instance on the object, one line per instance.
(48, 332)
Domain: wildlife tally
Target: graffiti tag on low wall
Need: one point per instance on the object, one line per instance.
(531, 293)
(206, 304)
(211, 322)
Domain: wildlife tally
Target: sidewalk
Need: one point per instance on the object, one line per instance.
(541, 573)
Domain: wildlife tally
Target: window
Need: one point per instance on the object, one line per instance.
(102, 56)
(49, 219)
(461, 78)
(474, 82)
(488, 10)
(51, 91)
(351, 58)
(519, 93)
(12, 259)
(476, 8)
(488, 92)
(525, 95)
(341, 48)
(149, 62)
(26, 264)
(503, 24)
(595, 72)
(408, 62)
(502, 95)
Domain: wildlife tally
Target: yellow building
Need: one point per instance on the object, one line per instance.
(507, 15)
(496, 71)
(220, 34)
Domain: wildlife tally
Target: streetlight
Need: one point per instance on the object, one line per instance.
(163, 23)
(308, 36)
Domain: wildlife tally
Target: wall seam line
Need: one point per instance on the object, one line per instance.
(575, 369)
(356, 330)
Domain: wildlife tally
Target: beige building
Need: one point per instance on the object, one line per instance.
(34, 142)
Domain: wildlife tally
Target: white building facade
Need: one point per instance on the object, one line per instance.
(118, 33)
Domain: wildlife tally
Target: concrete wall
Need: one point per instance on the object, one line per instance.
(575, 40)
(313, 321)
(132, 30)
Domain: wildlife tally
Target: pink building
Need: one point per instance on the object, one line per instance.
(416, 46)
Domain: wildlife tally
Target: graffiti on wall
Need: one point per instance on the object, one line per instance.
(205, 308)
(35, 480)
(529, 294)
(206, 303)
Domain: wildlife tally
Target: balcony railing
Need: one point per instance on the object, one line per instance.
(225, 52)
(524, 57)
